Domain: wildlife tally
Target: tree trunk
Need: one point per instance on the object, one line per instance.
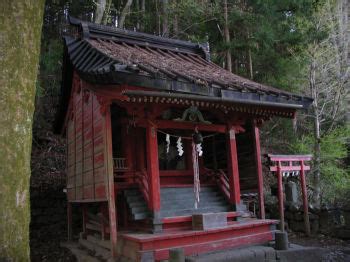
(175, 20)
(227, 38)
(250, 59)
(100, 9)
(250, 63)
(165, 27)
(317, 136)
(143, 12)
(124, 13)
(20, 27)
(106, 12)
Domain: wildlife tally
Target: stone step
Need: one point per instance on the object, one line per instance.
(135, 198)
(190, 204)
(132, 192)
(80, 254)
(188, 195)
(137, 204)
(165, 190)
(99, 251)
(102, 243)
(140, 216)
(139, 209)
(183, 212)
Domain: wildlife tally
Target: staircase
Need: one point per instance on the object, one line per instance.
(178, 201)
(137, 204)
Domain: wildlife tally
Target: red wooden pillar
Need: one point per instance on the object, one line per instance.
(259, 169)
(110, 180)
(305, 202)
(280, 195)
(153, 175)
(69, 221)
(232, 169)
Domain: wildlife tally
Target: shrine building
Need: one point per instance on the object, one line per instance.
(163, 146)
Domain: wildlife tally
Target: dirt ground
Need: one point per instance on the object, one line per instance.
(339, 250)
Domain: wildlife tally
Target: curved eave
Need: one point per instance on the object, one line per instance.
(201, 92)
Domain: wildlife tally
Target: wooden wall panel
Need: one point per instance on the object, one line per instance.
(86, 146)
(246, 161)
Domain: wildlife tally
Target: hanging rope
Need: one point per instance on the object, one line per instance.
(196, 181)
(185, 137)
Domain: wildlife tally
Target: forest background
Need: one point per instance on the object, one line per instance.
(297, 45)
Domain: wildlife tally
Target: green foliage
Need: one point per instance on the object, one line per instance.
(50, 68)
(334, 171)
(277, 34)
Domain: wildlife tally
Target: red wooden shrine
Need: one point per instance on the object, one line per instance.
(142, 115)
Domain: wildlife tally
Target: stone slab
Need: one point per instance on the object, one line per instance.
(209, 220)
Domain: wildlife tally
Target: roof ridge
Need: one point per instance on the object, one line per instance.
(91, 30)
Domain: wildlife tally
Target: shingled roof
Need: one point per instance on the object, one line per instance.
(107, 55)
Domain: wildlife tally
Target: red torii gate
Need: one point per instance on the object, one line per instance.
(287, 166)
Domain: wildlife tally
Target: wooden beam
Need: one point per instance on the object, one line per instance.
(232, 168)
(259, 169)
(289, 157)
(288, 168)
(111, 188)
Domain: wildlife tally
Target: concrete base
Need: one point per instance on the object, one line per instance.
(300, 253)
(263, 253)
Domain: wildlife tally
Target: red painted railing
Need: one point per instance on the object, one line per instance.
(119, 164)
(142, 181)
(221, 179)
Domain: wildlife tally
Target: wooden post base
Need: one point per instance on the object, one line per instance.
(281, 239)
(157, 222)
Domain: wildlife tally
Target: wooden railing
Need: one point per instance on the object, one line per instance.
(119, 164)
(142, 181)
(221, 179)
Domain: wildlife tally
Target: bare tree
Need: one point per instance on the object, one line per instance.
(328, 77)
(165, 26)
(99, 11)
(124, 13)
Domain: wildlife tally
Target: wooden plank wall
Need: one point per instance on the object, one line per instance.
(86, 150)
(246, 160)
